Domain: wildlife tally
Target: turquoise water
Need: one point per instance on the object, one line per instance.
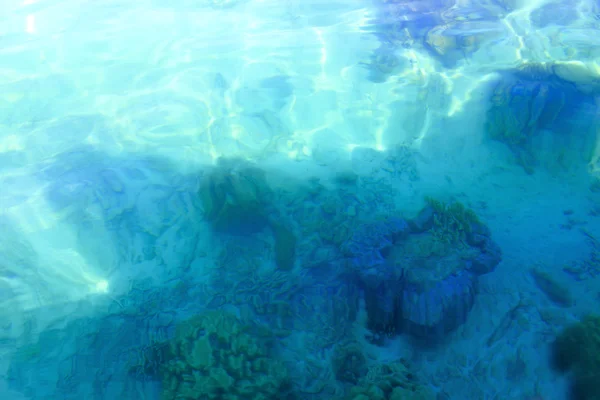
(245, 199)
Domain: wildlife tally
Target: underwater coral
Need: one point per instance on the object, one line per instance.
(216, 356)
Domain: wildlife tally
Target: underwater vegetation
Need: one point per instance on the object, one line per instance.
(577, 350)
(416, 279)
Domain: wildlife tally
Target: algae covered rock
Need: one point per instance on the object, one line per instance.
(441, 267)
(538, 110)
(216, 356)
(419, 276)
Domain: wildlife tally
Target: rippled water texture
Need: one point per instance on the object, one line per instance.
(378, 198)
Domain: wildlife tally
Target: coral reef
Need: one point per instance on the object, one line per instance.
(420, 275)
(577, 350)
(348, 362)
(392, 381)
(215, 356)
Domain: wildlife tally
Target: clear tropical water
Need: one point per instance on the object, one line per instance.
(245, 199)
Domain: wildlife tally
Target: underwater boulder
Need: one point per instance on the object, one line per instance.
(442, 264)
(545, 113)
(436, 304)
(367, 253)
(419, 276)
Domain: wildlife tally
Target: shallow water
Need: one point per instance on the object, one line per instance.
(254, 164)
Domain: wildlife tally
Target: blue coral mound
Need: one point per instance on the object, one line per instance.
(419, 276)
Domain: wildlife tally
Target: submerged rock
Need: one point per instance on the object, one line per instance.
(420, 276)
(538, 109)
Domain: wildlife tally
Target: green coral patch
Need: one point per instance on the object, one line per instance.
(216, 356)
